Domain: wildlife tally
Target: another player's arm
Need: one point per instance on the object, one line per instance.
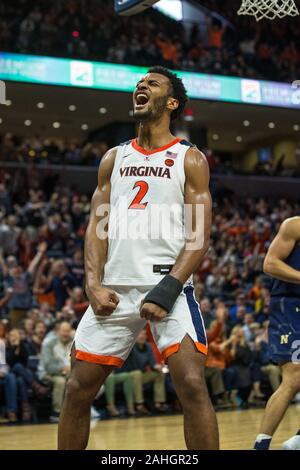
(161, 299)
(280, 248)
(103, 300)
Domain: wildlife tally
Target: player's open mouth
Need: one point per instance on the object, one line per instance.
(141, 99)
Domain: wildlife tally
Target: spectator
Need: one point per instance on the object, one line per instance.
(61, 282)
(125, 379)
(205, 308)
(218, 356)
(9, 383)
(226, 44)
(144, 370)
(241, 361)
(239, 309)
(5, 289)
(36, 340)
(76, 265)
(17, 354)
(78, 302)
(272, 371)
(54, 364)
(21, 299)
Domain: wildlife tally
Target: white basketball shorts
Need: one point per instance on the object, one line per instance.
(109, 340)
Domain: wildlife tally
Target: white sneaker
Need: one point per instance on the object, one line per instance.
(95, 414)
(292, 444)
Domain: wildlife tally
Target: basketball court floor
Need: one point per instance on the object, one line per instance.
(237, 431)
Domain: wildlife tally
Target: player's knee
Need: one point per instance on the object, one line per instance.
(77, 392)
(193, 387)
(292, 382)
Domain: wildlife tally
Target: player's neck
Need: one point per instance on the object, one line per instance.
(153, 135)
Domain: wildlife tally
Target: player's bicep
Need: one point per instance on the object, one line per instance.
(282, 245)
(101, 197)
(198, 203)
(102, 192)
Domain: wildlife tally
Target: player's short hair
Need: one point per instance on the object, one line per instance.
(178, 90)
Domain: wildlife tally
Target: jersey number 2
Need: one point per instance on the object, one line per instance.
(136, 203)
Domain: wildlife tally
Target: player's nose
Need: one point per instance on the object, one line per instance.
(142, 86)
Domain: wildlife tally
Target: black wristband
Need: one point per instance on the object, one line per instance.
(165, 293)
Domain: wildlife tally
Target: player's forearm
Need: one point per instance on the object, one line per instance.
(187, 262)
(280, 270)
(95, 257)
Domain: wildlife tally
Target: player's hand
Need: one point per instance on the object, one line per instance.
(103, 301)
(152, 312)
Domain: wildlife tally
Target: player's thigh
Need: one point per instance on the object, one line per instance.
(187, 363)
(187, 372)
(86, 375)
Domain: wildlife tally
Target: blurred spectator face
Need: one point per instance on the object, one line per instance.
(11, 262)
(142, 337)
(29, 326)
(205, 306)
(64, 332)
(16, 271)
(12, 221)
(14, 337)
(241, 311)
(240, 334)
(40, 329)
(54, 221)
(58, 267)
(34, 314)
(67, 313)
(77, 294)
(78, 257)
(241, 299)
(248, 318)
(44, 308)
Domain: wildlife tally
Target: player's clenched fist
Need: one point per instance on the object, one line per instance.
(152, 312)
(103, 301)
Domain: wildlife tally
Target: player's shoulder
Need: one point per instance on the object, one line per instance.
(291, 227)
(194, 156)
(107, 161)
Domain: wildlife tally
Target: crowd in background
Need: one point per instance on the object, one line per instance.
(91, 30)
(50, 150)
(57, 151)
(42, 300)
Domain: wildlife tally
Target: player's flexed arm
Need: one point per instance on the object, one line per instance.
(103, 300)
(197, 194)
(282, 245)
(161, 299)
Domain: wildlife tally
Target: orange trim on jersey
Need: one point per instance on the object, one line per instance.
(175, 347)
(98, 359)
(136, 146)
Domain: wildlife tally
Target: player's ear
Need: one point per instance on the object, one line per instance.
(172, 104)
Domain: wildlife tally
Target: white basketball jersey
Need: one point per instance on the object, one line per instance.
(146, 223)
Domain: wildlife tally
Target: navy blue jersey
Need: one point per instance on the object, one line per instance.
(288, 289)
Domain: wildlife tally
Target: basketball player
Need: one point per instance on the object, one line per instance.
(283, 263)
(133, 281)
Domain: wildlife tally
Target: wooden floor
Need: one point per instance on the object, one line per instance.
(237, 431)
